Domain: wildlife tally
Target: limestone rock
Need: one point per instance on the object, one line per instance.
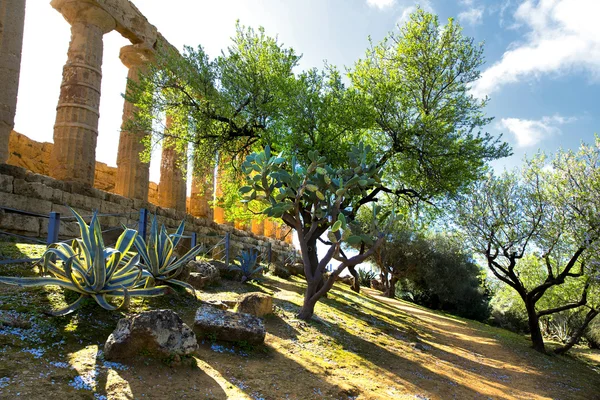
(377, 285)
(204, 273)
(226, 273)
(258, 304)
(279, 271)
(348, 280)
(158, 332)
(228, 326)
(218, 304)
(197, 280)
(296, 269)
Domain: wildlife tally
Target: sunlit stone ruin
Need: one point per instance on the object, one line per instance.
(45, 177)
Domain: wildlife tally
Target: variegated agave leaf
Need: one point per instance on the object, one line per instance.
(91, 269)
(157, 255)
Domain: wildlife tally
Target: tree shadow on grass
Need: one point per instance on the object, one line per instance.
(493, 375)
(271, 373)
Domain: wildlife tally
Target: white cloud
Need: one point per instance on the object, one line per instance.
(529, 132)
(424, 4)
(564, 35)
(472, 16)
(381, 4)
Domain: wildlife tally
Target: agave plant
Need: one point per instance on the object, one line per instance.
(248, 260)
(158, 258)
(365, 277)
(91, 269)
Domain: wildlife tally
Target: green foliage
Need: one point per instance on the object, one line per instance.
(417, 83)
(539, 232)
(91, 269)
(326, 193)
(248, 265)
(365, 277)
(224, 105)
(437, 272)
(158, 258)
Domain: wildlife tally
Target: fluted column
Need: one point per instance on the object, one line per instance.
(258, 227)
(73, 156)
(269, 228)
(241, 225)
(219, 212)
(12, 18)
(202, 192)
(287, 234)
(171, 188)
(132, 174)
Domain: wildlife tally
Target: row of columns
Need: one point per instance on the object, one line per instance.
(73, 156)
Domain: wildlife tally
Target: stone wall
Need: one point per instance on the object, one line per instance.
(35, 156)
(24, 190)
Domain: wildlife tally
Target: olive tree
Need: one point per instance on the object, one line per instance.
(552, 214)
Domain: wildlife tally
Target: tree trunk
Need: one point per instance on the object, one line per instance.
(537, 340)
(356, 285)
(310, 300)
(313, 285)
(578, 333)
(391, 289)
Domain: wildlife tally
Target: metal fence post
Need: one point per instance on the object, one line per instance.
(53, 228)
(227, 239)
(143, 224)
(194, 240)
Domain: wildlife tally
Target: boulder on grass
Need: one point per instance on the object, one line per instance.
(226, 273)
(377, 285)
(228, 326)
(295, 268)
(197, 280)
(279, 271)
(202, 273)
(157, 332)
(257, 304)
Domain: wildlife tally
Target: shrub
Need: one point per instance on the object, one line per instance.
(91, 269)
(158, 258)
(248, 260)
(365, 277)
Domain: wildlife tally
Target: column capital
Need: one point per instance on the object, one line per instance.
(86, 11)
(136, 56)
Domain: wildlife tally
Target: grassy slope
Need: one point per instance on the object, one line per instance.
(360, 346)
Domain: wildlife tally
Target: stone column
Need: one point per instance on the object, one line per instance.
(258, 227)
(219, 212)
(269, 228)
(202, 192)
(73, 156)
(12, 18)
(171, 188)
(133, 175)
(287, 234)
(278, 231)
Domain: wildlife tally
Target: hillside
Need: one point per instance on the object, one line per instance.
(359, 347)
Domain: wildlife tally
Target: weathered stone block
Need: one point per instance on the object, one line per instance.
(81, 202)
(37, 190)
(228, 326)
(157, 332)
(6, 183)
(20, 224)
(68, 229)
(25, 203)
(257, 304)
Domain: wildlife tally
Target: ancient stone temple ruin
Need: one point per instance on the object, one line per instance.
(65, 173)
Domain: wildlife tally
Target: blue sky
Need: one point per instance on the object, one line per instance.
(542, 71)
